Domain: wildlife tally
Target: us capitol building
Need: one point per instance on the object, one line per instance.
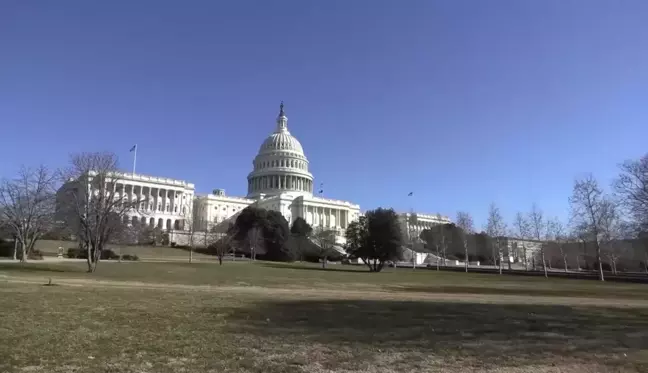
(279, 181)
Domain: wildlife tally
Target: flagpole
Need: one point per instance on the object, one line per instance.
(134, 159)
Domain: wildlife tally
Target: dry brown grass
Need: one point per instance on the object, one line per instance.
(378, 324)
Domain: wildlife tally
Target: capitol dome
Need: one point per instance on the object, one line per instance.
(281, 165)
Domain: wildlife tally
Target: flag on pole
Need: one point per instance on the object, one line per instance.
(410, 194)
(133, 148)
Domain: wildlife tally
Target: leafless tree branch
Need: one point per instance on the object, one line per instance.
(27, 206)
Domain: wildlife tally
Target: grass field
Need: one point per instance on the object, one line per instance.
(268, 317)
(50, 248)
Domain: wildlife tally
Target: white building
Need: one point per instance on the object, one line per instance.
(279, 181)
(164, 203)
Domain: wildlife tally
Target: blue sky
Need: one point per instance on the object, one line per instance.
(462, 102)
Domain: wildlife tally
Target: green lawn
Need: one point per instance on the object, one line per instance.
(50, 248)
(267, 317)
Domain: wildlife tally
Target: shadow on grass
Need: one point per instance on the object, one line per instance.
(38, 267)
(502, 334)
(314, 267)
(590, 292)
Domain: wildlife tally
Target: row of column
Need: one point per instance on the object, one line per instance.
(167, 201)
(417, 228)
(284, 182)
(167, 224)
(321, 216)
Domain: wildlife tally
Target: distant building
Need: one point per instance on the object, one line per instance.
(164, 203)
(280, 180)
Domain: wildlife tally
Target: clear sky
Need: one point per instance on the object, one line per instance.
(463, 103)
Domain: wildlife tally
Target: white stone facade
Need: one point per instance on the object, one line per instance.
(281, 165)
(412, 224)
(216, 209)
(164, 203)
(280, 180)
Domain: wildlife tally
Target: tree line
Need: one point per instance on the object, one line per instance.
(611, 225)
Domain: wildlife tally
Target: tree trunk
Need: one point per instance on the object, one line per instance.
(15, 251)
(600, 262)
(23, 252)
(565, 263)
(466, 258)
(508, 257)
(646, 261)
(614, 267)
(220, 260)
(191, 255)
(578, 262)
(499, 256)
(445, 249)
(438, 257)
(92, 266)
(526, 260)
(324, 262)
(544, 263)
(500, 265)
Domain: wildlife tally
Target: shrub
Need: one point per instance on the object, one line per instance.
(6, 248)
(35, 255)
(459, 256)
(108, 254)
(76, 253)
(130, 257)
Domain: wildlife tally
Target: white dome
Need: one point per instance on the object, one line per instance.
(281, 165)
(281, 141)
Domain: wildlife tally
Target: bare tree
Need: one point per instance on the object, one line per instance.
(632, 190)
(496, 228)
(522, 231)
(558, 234)
(27, 207)
(538, 227)
(325, 241)
(443, 239)
(592, 212)
(613, 251)
(223, 243)
(254, 239)
(94, 201)
(643, 241)
(190, 226)
(465, 222)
